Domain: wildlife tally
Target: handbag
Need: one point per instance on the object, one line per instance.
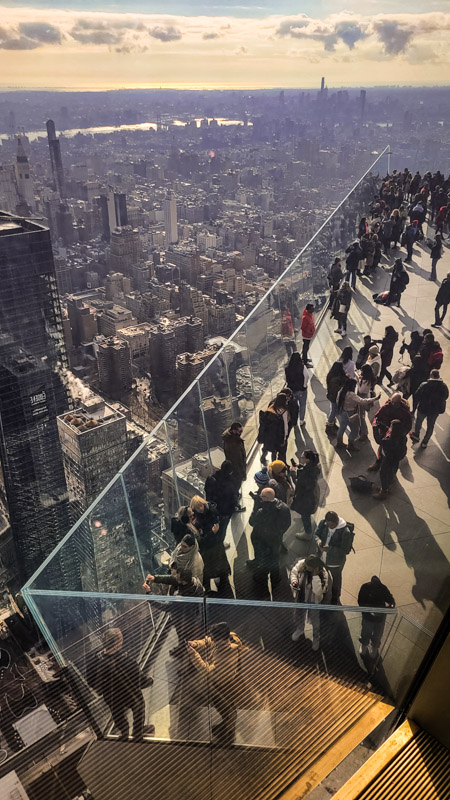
(342, 308)
(361, 484)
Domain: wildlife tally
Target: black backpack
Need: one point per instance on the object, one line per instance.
(348, 536)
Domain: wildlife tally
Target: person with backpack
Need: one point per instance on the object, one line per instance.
(435, 255)
(220, 488)
(431, 353)
(429, 401)
(334, 539)
(399, 282)
(306, 476)
(373, 594)
(442, 302)
(311, 583)
(392, 450)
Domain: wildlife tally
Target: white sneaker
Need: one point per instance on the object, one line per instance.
(315, 645)
(363, 649)
(296, 635)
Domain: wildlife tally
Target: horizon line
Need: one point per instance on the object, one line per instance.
(218, 87)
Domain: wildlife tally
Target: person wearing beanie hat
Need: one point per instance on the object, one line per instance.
(280, 481)
(374, 360)
(117, 677)
(262, 477)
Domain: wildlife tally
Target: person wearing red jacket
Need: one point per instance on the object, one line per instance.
(308, 329)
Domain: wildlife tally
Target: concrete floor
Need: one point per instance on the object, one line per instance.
(405, 539)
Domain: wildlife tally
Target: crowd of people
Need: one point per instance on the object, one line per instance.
(357, 413)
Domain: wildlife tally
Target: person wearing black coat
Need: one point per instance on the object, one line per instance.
(373, 594)
(334, 280)
(435, 255)
(307, 492)
(116, 676)
(220, 488)
(442, 302)
(272, 432)
(399, 282)
(388, 343)
(354, 256)
(206, 520)
(392, 449)
(270, 520)
(429, 401)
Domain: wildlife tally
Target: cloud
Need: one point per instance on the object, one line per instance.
(167, 34)
(350, 32)
(207, 36)
(421, 54)
(41, 32)
(11, 40)
(394, 36)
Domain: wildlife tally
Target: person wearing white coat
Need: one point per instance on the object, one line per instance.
(311, 583)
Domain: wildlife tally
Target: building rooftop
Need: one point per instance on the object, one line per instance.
(92, 413)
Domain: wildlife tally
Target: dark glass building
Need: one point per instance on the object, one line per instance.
(32, 392)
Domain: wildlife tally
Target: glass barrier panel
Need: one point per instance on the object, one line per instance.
(406, 648)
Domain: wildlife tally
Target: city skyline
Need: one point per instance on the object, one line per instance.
(226, 45)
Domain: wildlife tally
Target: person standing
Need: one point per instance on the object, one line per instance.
(220, 488)
(440, 220)
(219, 658)
(373, 594)
(297, 379)
(307, 492)
(386, 233)
(392, 451)
(308, 329)
(410, 235)
(342, 307)
(365, 388)
(273, 428)
(335, 380)
(280, 481)
(334, 540)
(347, 362)
(216, 566)
(399, 282)
(388, 343)
(311, 583)
(354, 256)
(435, 255)
(334, 281)
(116, 676)
(287, 331)
(187, 555)
(270, 520)
(429, 401)
(181, 523)
(374, 360)
(348, 403)
(363, 352)
(442, 302)
(234, 449)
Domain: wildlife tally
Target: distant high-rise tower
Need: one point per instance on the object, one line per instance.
(24, 180)
(362, 102)
(114, 368)
(170, 218)
(32, 393)
(322, 84)
(55, 159)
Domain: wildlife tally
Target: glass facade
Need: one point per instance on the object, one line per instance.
(32, 392)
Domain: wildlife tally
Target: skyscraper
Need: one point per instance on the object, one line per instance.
(114, 368)
(32, 393)
(170, 218)
(55, 159)
(24, 180)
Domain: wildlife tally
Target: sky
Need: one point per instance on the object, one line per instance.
(242, 44)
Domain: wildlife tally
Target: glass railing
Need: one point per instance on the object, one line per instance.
(126, 531)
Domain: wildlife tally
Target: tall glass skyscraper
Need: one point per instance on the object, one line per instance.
(32, 392)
